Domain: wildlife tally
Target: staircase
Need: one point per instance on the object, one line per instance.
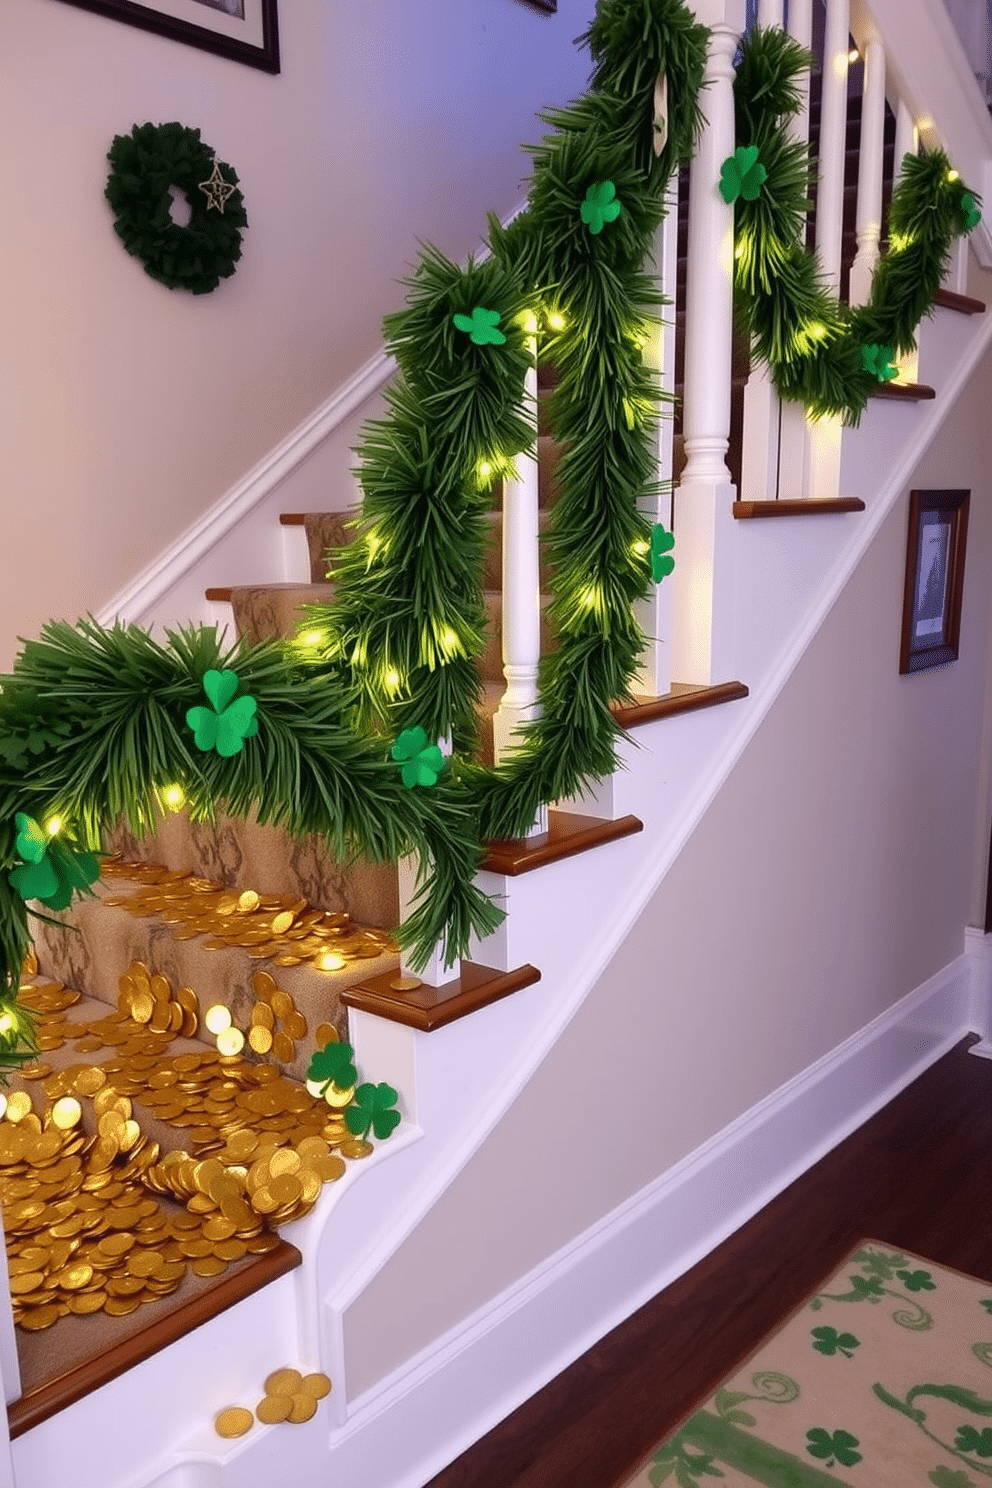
(745, 599)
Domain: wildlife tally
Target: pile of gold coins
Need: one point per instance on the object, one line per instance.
(289, 1396)
(97, 1218)
(273, 927)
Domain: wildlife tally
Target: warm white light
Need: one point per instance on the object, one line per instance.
(392, 679)
(218, 1018)
(310, 638)
(952, 175)
(7, 1022)
(485, 470)
(529, 322)
(556, 321)
(53, 826)
(328, 961)
(640, 547)
(853, 55)
(174, 797)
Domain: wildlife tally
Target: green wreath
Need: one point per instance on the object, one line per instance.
(145, 164)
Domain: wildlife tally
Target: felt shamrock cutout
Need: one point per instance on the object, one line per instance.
(742, 174)
(50, 872)
(838, 1446)
(969, 209)
(333, 1065)
(226, 725)
(662, 543)
(482, 327)
(878, 361)
(970, 1440)
(422, 762)
(600, 206)
(374, 1108)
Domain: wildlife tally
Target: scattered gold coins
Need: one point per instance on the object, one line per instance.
(273, 927)
(291, 1396)
(234, 1421)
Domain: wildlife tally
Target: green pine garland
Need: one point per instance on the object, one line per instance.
(819, 352)
(96, 723)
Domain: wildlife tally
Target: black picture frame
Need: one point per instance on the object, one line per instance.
(252, 39)
(935, 554)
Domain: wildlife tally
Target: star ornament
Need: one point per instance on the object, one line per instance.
(742, 174)
(217, 190)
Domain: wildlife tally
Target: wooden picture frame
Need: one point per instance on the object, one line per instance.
(243, 30)
(551, 5)
(935, 552)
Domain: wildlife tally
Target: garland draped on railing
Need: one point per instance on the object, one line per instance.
(821, 353)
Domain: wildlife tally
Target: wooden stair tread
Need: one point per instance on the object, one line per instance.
(905, 392)
(814, 507)
(568, 833)
(949, 299)
(682, 698)
(427, 1008)
(147, 1330)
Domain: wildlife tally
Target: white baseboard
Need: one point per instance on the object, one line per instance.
(405, 1429)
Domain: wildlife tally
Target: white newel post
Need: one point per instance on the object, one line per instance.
(704, 524)
(521, 596)
(823, 474)
(870, 172)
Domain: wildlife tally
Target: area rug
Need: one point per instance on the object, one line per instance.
(881, 1380)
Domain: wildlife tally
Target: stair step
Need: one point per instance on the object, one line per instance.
(682, 698)
(815, 507)
(568, 833)
(904, 392)
(426, 1008)
(964, 304)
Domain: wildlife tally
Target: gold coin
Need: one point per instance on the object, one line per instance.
(283, 1048)
(326, 1034)
(335, 1096)
(38, 1318)
(90, 1080)
(121, 1306)
(86, 1303)
(74, 1278)
(234, 1421)
(217, 1018)
(405, 983)
(282, 922)
(283, 1382)
(316, 1385)
(273, 1409)
(295, 1025)
(263, 985)
(248, 901)
(355, 1147)
(209, 1265)
(262, 1015)
(18, 1105)
(304, 1407)
(260, 1038)
(25, 1281)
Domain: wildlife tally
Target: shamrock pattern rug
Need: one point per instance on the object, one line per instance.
(883, 1379)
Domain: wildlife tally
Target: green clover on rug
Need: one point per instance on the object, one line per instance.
(883, 1380)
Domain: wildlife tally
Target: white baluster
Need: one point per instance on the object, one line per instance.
(823, 452)
(771, 12)
(521, 598)
(703, 518)
(870, 170)
(793, 438)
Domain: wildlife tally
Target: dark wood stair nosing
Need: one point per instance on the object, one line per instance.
(682, 698)
(905, 392)
(54, 1395)
(427, 1008)
(220, 594)
(950, 299)
(568, 833)
(816, 506)
(292, 519)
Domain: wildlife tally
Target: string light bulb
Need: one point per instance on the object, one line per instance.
(53, 826)
(174, 797)
(556, 321)
(8, 1023)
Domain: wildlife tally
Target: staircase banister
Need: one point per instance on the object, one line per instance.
(930, 71)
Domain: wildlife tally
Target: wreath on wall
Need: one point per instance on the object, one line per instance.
(145, 166)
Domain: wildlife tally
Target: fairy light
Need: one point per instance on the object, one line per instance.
(217, 1019)
(485, 469)
(640, 547)
(327, 961)
(174, 797)
(953, 175)
(8, 1023)
(311, 638)
(556, 321)
(53, 826)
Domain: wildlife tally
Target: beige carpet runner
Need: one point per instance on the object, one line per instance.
(883, 1379)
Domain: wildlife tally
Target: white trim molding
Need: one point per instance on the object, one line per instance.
(978, 949)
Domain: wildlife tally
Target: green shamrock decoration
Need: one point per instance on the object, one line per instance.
(684, 1468)
(422, 762)
(917, 1281)
(225, 725)
(600, 206)
(832, 1448)
(946, 1477)
(878, 361)
(987, 1304)
(970, 1440)
(830, 1342)
(971, 214)
(742, 174)
(333, 1065)
(51, 872)
(662, 543)
(374, 1108)
(482, 327)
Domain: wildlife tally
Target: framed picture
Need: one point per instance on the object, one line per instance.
(544, 4)
(931, 615)
(244, 30)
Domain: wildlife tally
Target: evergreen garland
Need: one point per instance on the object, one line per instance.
(93, 722)
(819, 352)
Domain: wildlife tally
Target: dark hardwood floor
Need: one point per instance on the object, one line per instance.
(918, 1175)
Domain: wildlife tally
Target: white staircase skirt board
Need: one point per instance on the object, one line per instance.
(405, 1429)
(978, 947)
